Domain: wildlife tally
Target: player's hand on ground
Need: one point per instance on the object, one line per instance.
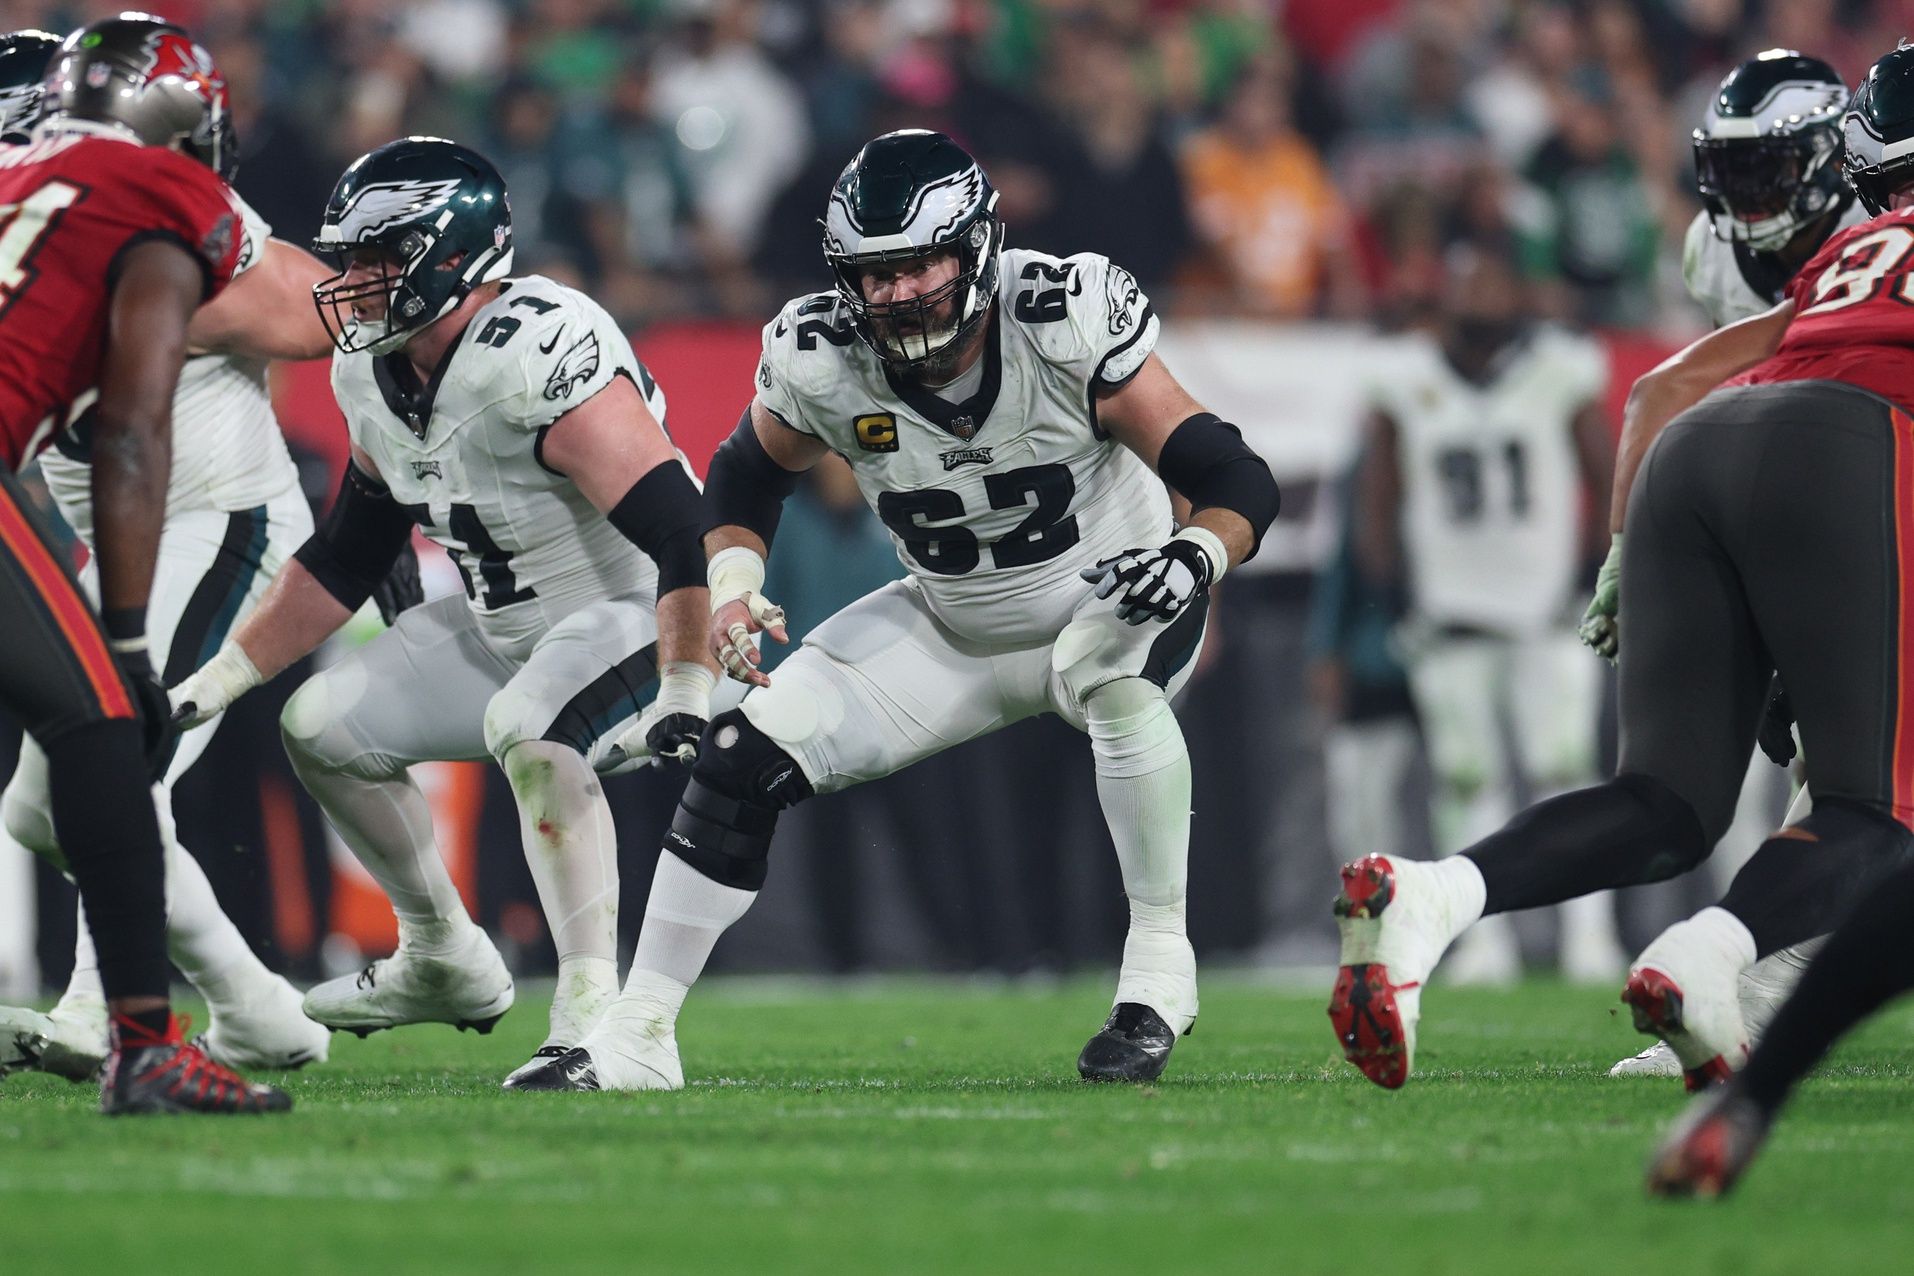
(1153, 584)
(1775, 735)
(670, 727)
(733, 623)
(1601, 625)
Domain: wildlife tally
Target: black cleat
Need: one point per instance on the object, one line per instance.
(1134, 1046)
(540, 1057)
(146, 1074)
(571, 1070)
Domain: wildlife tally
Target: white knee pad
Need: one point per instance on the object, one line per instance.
(1085, 656)
(1133, 730)
(511, 716)
(316, 725)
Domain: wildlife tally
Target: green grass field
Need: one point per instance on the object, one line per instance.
(917, 1127)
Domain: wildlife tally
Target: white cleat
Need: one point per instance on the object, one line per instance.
(1686, 993)
(21, 1033)
(1656, 1061)
(469, 988)
(1396, 918)
(70, 1041)
(626, 1051)
(268, 1031)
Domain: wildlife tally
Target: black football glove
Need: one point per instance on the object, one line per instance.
(401, 588)
(1152, 584)
(160, 734)
(1775, 735)
(674, 738)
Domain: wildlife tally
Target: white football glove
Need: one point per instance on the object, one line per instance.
(671, 725)
(206, 693)
(1157, 584)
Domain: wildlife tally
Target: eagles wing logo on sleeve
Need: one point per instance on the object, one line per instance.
(384, 204)
(576, 366)
(1121, 291)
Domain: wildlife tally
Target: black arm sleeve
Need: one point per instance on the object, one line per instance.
(1206, 460)
(356, 543)
(745, 487)
(660, 516)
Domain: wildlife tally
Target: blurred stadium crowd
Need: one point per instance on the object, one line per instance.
(1269, 162)
(1278, 158)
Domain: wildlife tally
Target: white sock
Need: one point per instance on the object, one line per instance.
(84, 983)
(1143, 785)
(571, 847)
(202, 940)
(586, 986)
(1461, 881)
(684, 916)
(385, 820)
(1721, 932)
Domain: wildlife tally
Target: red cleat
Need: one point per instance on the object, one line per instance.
(1656, 1000)
(1711, 1147)
(1373, 1026)
(148, 1073)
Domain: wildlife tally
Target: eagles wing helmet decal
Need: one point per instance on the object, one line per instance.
(576, 366)
(386, 204)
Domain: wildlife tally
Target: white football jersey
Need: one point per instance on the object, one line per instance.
(462, 453)
(228, 453)
(997, 502)
(1712, 271)
(1491, 483)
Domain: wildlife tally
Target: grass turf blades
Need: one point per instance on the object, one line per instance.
(926, 1128)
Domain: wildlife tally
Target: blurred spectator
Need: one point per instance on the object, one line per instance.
(1276, 231)
(741, 128)
(1589, 221)
(282, 174)
(1121, 194)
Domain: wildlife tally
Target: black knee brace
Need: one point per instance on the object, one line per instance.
(740, 782)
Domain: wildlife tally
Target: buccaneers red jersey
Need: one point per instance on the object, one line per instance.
(70, 204)
(1853, 313)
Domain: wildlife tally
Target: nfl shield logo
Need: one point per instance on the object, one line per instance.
(98, 74)
(963, 427)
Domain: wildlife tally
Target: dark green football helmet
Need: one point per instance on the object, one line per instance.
(1880, 131)
(436, 213)
(1767, 155)
(24, 58)
(910, 194)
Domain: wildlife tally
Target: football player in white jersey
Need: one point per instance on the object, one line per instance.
(1768, 164)
(234, 513)
(1486, 442)
(509, 418)
(1003, 413)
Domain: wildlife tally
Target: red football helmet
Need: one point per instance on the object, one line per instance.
(148, 76)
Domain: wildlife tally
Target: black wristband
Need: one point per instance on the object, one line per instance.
(124, 624)
(660, 516)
